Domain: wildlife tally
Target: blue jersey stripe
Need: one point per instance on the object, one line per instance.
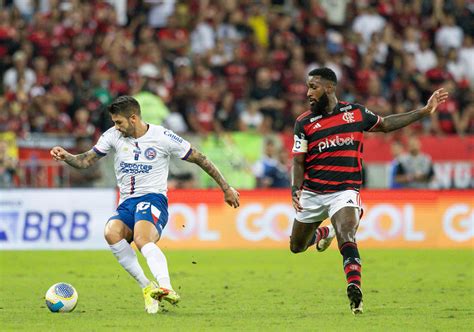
(187, 154)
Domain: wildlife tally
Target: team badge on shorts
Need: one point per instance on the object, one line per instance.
(143, 206)
(146, 208)
(150, 153)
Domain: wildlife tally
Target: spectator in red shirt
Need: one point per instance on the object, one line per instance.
(439, 74)
(40, 34)
(294, 87)
(201, 113)
(173, 38)
(279, 53)
(56, 122)
(447, 120)
(58, 89)
(364, 74)
(8, 34)
(82, 127)
(376, 101)
(40, 67)
(236, 74)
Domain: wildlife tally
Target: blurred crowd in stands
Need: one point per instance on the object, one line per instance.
(212, 67)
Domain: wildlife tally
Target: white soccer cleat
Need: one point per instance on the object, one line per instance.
(323, 244)
(152, 306)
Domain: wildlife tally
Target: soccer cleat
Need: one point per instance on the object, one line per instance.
(354, 293)
(152, 306)
(323, 244)
(166, 294)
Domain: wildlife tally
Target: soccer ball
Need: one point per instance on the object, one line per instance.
(61, 297)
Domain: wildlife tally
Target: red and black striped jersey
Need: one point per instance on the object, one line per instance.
(333, 147)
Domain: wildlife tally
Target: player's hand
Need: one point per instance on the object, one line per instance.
(232, 197)
(438, 97)
(295, 196)
(58, 153)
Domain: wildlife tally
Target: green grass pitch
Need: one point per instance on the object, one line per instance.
(245, 290)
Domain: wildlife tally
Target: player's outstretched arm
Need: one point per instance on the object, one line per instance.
(231, 196)
(397, 121)
(297, 177)
(83, 160)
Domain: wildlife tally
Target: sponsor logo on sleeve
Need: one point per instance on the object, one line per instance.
(369, 112)
(173, 136)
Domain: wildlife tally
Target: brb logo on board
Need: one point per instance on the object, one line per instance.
(8, 225)
(33, 226)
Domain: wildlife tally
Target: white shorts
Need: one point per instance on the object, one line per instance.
(318, 207)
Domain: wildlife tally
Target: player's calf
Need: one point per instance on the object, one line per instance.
(302, 235)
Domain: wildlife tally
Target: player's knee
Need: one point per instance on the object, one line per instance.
(111, 236)
(346, 232)
(140, 240)
(115, 231)
(296, 248)
(347, 235)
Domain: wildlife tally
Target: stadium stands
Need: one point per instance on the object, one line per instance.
(226, 74)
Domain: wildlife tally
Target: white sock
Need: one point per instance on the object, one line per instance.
(157, 262)
(128, 259)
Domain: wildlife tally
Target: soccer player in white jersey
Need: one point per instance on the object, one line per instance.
(142, 153)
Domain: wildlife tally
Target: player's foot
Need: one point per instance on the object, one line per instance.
(323, 244)
(152, 306)
(354, 293)
(166, 294)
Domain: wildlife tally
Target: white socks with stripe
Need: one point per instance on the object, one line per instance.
(128, 259)
(157, 262)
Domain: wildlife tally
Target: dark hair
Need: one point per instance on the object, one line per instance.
(324, 72)
(125, 105)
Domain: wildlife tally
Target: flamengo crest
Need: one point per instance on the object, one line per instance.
(348, 117)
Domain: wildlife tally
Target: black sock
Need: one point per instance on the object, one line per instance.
(352, 263)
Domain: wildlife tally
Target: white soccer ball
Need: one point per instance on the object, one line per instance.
(61, 297)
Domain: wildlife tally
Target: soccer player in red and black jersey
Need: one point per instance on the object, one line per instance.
(327, 166)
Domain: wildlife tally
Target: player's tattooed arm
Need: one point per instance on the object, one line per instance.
(83, 160)
(297, 177)
(208, 166)
(231, 196)
(397, 121)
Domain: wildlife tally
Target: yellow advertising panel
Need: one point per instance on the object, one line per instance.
(392, 219)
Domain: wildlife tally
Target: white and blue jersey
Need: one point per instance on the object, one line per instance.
(141, 169)
(142, 164)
